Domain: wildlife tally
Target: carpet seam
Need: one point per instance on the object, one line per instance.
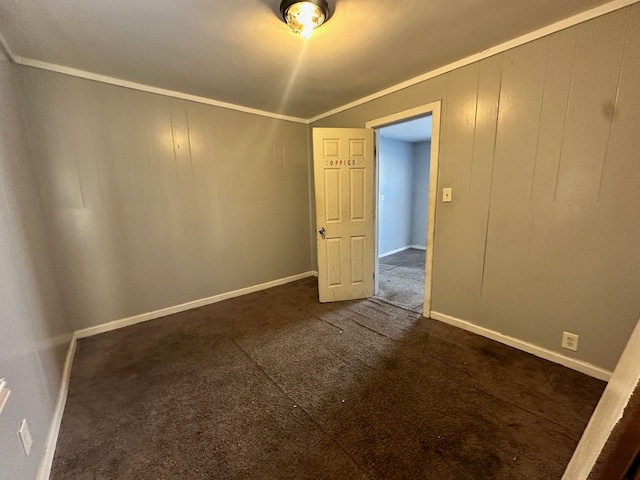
(374, 330)
(341, 357)
(315, 422)
(376, 299)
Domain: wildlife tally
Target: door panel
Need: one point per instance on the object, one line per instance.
(344, 174)
(332, 195)
(358, 260)
(357, 194)
(334, 261)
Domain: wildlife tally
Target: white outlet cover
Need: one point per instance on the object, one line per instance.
(570, 341)
(25, 436)
(447, 194)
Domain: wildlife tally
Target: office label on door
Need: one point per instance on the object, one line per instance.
(343, 163)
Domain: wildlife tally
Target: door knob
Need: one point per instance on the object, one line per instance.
(321, 231)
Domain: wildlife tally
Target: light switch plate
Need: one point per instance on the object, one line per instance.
(25, 436)
(447, 194)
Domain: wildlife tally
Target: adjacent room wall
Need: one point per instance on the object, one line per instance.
(540, 146)
(421, 155)
(151, 202)
(395, 198)
(35, 334)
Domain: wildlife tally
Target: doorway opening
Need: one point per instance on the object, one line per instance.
(404, 152)
(406, 184)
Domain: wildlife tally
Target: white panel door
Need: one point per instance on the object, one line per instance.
(344, 171)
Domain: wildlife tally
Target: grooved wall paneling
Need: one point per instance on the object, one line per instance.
(540, 145)
(153, 201)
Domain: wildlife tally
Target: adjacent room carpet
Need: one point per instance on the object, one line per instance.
(275, 385)
(402, 279)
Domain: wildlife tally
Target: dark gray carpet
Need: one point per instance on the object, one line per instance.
(275, 385)
(401, 280)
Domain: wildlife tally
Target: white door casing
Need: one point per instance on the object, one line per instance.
(434, 109)
(344, 187)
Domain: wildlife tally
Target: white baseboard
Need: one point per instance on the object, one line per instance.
(143, 317)
(314, 273)
(397, 250)
(54, 429)
(579, 365)
(401, 249)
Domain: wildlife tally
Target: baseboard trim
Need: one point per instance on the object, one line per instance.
(391, 252)
(144, 317)
(578, 365)
(54, 429)
(401, 249)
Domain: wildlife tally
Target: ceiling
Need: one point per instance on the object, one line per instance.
(239, 51)
(418, 130)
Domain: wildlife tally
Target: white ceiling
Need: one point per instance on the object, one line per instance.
(418, 130)
(239, 51)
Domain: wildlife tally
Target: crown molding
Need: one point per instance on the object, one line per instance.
(529, 37)
(503, 47)
(27, 62)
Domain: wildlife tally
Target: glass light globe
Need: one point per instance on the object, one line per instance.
(303, 17)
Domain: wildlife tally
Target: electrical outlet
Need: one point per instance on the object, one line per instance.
(570, 341)
(25, 436)
(447, 194)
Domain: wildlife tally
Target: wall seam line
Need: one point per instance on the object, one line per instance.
(615, 106)
(493, 159)
(475, 129)
(566, 112)
(544, 94)
(186, 116)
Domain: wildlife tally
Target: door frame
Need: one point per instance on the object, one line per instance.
(433, 108)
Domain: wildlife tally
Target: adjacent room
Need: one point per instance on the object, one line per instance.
(208, 269)
(403, 200)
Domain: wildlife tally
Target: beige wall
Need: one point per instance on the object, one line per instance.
(152, 202)
(34, 334)
(540, 145)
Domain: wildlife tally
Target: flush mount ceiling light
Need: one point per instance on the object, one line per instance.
(303, 17)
